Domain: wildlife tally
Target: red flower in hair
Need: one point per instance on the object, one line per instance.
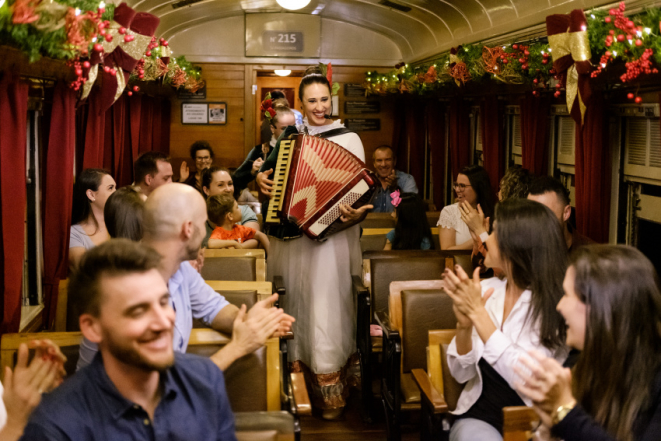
(267, 103)
(271, 111)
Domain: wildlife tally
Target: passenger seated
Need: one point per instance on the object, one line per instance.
(22, 389)
(499, 320)
(173, 225)
(88, 228)
(412, 231)
(472, 186)
(137, 387)
(550, 192)
(150, 171)
(123, 214)
(389, 179)
(612, 307)
(202, 153)
(224, 211)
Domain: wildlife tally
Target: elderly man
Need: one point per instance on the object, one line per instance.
(550, 192)
(151, 170)
(174, 225)
(391, 179)
(137, 387)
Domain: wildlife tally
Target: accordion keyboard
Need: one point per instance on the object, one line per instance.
(280, 175)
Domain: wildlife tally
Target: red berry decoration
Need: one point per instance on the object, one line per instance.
(108, 38)
(612, 32)
(102, 11)
(522, 60)
(557, 94)
(545, 61)
(98, 47)
(639, 42)
(79, 72)
(607, 19)
(148, 53)
(620, 38)
(112, 72)
(630, 24)
(630, 95)
(130, 93)
(86, 64)
(535, 93)
(608, 54)
(122, 30)
(558, 85)
(612, 12)
(638, 100)
(141, 76)
(524, 67)
(505, 61)
(136, 88)
(526, 52)
(609, 39)
(515, 46)
(535, 81)
(165, 43)
(106, 68)
(129, 38)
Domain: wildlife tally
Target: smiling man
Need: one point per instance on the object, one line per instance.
(137, 387)
(390, 179)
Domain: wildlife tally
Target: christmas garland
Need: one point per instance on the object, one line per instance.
(73, 30)
(614, 39)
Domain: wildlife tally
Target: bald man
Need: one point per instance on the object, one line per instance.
(174, 225)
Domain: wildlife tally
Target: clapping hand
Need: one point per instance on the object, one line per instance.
(466, 293)
(473, 218)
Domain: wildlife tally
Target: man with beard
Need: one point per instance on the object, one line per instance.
(137, 387)
(174, 225)
(390, 179)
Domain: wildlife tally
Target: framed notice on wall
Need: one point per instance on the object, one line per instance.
(204, 113)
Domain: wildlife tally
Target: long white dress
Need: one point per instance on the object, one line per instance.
(317, 276)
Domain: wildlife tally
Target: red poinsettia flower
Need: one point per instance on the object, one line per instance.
(271, 112)
(267, 103)
(24, 12)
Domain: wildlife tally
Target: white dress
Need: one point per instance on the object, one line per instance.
(451, 218)
(317, 276)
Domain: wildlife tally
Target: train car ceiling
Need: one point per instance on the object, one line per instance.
(356, 32)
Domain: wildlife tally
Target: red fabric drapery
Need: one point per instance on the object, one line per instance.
(57, 195)
(435, 115)
(535, 134)
(593, 175)
(493, 138)
(459, 142)
(415, 131)
(13, 139)
(114, 139)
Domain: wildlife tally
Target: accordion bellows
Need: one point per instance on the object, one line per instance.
(312, 178)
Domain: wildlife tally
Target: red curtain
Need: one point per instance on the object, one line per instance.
(415, 130)
(435, 119)
(57, 194)
(593, 167)
(459, 144)
(115, 138)
(13, 139)
(492, 129)
(535, 133)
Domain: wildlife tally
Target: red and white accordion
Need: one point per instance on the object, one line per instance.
(313, 177)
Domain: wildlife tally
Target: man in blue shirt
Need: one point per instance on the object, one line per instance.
(391, 179)
(174, 225)
(137, 387)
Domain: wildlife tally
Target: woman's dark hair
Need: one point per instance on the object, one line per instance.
(200, 145)
(622, 351)
(89, 179)
(479, 179)
(412, 224)
(312, 76)
(515, 183)
(123, 214)
(208, 174)
(533, 248)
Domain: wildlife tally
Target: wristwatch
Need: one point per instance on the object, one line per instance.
(561, 412)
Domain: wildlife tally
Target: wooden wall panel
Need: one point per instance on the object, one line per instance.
(232, 83)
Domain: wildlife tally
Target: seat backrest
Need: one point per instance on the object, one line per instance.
(372, 242)
(238, 298)
(438, 369)
(422, 311)
(384, 271)
(234, 265)
(378, 220)
(241, 292)
(69, 343)
(249, 423)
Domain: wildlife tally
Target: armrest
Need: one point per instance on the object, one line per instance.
(299, 393)
(518, 418)
(358, 287)
(279, 286)
(436, 400)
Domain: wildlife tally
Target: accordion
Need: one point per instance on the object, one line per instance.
(312, 178)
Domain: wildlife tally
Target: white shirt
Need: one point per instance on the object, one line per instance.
(510, 341)
(451, 218)
(3, 411)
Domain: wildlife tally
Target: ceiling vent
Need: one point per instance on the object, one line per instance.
(182, 3)
(394, 5)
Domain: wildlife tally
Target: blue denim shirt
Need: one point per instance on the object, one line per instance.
(190, 297)
(382, 202)
(88, 406)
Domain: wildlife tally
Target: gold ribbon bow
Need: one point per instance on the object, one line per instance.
(577, 45)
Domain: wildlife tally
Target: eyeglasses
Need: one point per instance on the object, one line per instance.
(203, 158)
(459, 186)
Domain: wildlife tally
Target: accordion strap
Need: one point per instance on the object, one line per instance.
(335, 132)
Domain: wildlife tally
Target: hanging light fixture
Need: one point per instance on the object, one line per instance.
(282, 72)
(293, 5)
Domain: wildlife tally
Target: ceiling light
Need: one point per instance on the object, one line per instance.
(293, 5)
(282, 72)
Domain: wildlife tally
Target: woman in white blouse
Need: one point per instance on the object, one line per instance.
(499, 320)
(471, 187)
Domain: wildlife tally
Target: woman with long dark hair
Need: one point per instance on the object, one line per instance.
(612, 307)
(501, 319)
(318, 275)
(88, 228)
(472, 187)
(412, 230)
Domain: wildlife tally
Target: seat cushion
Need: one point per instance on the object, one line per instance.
(410, 389)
